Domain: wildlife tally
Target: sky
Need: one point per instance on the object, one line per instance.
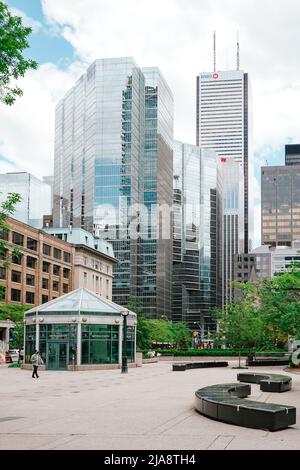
(176, 36)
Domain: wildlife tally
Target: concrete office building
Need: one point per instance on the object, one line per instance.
(197, 243)
(224, 125)
(265, 262)
(280, 205)
(113, 150)
(292, 154)
(93, 260)
(36, 197)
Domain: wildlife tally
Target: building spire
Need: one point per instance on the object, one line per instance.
(215, 53)
(238, 52)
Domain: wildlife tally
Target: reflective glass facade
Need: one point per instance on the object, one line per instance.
(280, 205)
(197, 244)
(113, 149)
(233, 221)
(36, 197)
(155, 245)
(292, 154)
(99, 143)
(100, 344)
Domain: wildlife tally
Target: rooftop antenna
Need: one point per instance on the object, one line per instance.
(238, 52)
(215, 52)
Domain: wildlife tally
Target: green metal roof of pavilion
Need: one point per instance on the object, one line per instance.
(77, 301)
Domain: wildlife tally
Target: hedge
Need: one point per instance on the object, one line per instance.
(212, 352)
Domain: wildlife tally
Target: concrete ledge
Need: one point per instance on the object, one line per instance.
(151, 360)
(198, 365)
(29, 367)
(267, 362)
(72, 368)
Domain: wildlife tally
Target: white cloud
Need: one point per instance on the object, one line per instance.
(27, 21)
(27, 127)
(176, 36)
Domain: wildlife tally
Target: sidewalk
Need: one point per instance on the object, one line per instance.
(151, 407)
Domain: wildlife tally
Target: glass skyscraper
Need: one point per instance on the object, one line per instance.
(109, 129)
(197, 243)
(36, 197)
(155, 245)
(233, 221)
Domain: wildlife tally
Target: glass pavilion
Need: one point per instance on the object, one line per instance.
(79, 331)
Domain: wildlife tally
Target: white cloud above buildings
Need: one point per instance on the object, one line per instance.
(175, 35)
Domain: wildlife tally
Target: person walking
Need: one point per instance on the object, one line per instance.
(36, 361)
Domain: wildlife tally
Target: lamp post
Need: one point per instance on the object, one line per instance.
(124, 368)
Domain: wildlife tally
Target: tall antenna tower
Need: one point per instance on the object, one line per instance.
(215, 52)
(238, 52)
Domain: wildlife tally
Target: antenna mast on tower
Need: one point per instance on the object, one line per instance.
(215, 52)
(238, 52)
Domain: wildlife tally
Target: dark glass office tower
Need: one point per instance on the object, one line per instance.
(280, 205)
(292, 154)
(197, 244)
(105, 147)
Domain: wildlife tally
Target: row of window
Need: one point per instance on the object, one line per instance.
(31, 244)
(16, 276)
(32, 263)
(15, 294)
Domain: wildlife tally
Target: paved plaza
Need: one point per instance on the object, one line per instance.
(148, 408)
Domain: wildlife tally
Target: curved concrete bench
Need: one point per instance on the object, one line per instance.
(225, 402)
(268, 382)
(198, 365)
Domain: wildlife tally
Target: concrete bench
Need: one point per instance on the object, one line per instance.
(226, 402)
(198, 365)
(267, 362)
(268, 382)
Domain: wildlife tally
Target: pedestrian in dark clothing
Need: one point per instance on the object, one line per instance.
(36, 361)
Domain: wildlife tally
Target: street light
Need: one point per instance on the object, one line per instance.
(124, 369)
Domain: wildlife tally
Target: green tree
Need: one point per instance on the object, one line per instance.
(182, 336)
(161, 331)
(280, 303)
(241, 324)
(143, 340)
(13, 65)
(15, 313)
